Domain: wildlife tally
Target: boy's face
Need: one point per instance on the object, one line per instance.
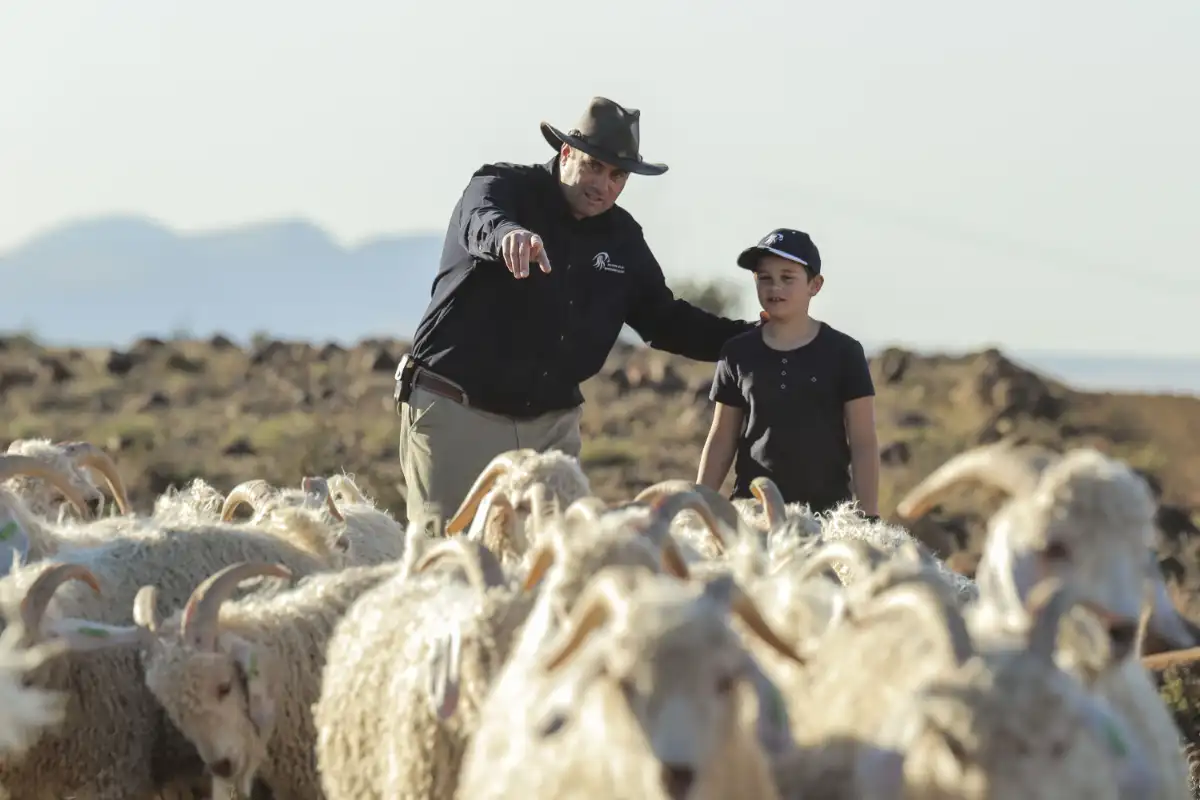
(784, 289)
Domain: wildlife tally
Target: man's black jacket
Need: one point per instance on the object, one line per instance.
(522, 347)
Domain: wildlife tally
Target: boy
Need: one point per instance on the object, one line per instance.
(794, 397)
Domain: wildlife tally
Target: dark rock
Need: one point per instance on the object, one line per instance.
(178, 362)
(893, 364)
(895, 454)
(220, 342)
(56, 369)
(240, 447)
(119, 363)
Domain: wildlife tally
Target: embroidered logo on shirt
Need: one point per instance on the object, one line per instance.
(602, 262)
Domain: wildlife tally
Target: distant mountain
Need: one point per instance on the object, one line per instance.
(113, 279)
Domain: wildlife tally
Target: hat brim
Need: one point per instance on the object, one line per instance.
(556, 138)
(749, 258)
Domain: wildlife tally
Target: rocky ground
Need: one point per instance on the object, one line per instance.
(169, 411)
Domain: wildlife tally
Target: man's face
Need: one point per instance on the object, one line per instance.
(784, 290)
(591, 186)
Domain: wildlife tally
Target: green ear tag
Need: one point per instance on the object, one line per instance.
(252, 667)
(95, 633)
(9, 530)
(1116, 742)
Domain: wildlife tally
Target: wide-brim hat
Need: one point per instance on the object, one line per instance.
(609, 132)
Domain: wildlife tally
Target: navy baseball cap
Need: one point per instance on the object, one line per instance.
(786, 243)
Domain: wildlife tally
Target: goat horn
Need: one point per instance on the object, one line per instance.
(37, 597)
(917, 591)
(1172, 658)
(86, 454)
(716, 511)
(603, 599)
(1048, 602)
(252, 493)
(145, 608)
(860, 556)
(200, 615)
(545, 553)
(539, 506)
(478, 562)
(500, 465)
(725, 590)
(999, 465)
(771, 498)
(499, 519)
(11, 465)
(319, 488)
(720, 505)
(340, 484)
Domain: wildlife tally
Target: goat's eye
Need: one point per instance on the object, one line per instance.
(724, 684)
(223, 690)
(628, 689)
(1056, 551)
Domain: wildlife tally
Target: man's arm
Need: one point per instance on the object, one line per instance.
(676, 326)
(858, 397)
(488, 211)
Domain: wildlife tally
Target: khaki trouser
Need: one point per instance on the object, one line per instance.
(444, 446)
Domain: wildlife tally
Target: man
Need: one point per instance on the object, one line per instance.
(500, 353)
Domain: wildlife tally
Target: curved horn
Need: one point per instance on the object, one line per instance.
(86, 454)
(500, 465)
(724, 589)
(341, 484)
(252, 493)
(714, 520)
(319, 488)
(499, 520)
(545, 553)
(1171, 658)
(999, 465)
(917, 592)
(37, 596)
(479, 563)
(11, 465)
(200, 615)
(1048, 602)
(720, 505)
(602, 600)
(540, 507)
(771, 498)
(863, 558)
(145, 609)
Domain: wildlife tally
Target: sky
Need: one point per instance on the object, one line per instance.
(1021, 174)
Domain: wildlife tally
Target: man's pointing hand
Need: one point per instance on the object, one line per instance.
(519, 248)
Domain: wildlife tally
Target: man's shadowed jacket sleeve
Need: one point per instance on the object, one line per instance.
(673, 325)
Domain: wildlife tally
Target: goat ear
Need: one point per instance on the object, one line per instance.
(1135, 774)
(879, 773)
(445, 666)
(254, 667)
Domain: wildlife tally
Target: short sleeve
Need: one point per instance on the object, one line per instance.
(856, 374)
(725, 388)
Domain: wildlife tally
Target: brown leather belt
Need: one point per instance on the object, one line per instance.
(431, 383)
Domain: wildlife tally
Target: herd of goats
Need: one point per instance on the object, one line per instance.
(298, 643)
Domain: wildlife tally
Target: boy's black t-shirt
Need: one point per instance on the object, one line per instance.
(794, 429)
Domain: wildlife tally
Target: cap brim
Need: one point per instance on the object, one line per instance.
(556, 138)
(750, 257)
